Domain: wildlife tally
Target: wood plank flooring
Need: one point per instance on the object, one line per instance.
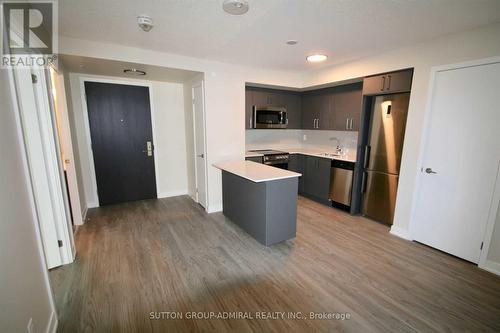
(168, 255)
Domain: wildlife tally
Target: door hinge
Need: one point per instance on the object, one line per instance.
(59, 243)
(34, 78)
(482, 243)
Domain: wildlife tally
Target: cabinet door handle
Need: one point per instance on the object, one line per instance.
(389, 83)
(347, 124)
(352, 123)
(383, 83)
(318, 123)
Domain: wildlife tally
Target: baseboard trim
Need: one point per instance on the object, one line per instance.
(401, 233)
(168, 194)
(92, 205)
(84, 214)
(491, 266)
(214, 208)
(52, 325)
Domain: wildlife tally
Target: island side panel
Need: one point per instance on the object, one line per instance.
(281, 205)
(244, 203)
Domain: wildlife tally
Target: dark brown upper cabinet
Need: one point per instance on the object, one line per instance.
(316, 110)
(388, 83)
(335, 108)
(293, 110)
(345, 107)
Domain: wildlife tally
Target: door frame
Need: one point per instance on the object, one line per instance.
(201, 84)
(42, 146)
(29, 187)
(495, 203)
(86, 125)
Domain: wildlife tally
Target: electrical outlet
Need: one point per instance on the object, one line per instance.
(29, 329)
(304, 137)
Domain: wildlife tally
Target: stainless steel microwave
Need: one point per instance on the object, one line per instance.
(269, 117)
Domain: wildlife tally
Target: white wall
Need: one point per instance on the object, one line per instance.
(224, 97)
(24, 288)
(170, 150)
(477, 44)
(168, 116)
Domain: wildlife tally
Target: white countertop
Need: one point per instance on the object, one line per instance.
(310, 152)
(253, 154)
(255, 172)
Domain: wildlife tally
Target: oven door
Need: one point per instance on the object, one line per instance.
(269, 117)
(278, 164)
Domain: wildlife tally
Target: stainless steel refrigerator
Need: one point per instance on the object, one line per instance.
(383, 156)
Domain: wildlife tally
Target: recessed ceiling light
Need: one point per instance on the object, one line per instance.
(235, 7)
(316, 57)
(292, 42)
(134, 72)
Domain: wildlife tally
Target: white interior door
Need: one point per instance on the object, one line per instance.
(43, 160)
(35, 154)
(460, 162)
(199, 140)
(61, 111)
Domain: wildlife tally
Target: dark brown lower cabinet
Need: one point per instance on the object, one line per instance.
(315, 180)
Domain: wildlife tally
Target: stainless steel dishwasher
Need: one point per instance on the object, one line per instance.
(341, 175)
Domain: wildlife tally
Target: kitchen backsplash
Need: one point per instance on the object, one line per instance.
(284, 139)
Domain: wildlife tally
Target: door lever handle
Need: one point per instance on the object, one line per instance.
(201, 155)
(430, 171)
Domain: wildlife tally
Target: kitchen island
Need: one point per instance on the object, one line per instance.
(260, 199)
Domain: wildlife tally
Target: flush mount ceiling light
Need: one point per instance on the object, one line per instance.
(134, 72)
(316, 58)
(145, 22)
(292, 42)
(235, 7)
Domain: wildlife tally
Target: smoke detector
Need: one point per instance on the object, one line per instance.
(145, 22)
(235, 7)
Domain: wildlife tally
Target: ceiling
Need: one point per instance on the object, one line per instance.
(94, 66)
(344, 30)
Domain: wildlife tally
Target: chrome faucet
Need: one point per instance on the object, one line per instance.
(338, 149)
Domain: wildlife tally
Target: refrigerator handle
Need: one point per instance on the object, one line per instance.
(367, 156)
(363, 183)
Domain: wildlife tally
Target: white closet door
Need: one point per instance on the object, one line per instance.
(460, 162)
